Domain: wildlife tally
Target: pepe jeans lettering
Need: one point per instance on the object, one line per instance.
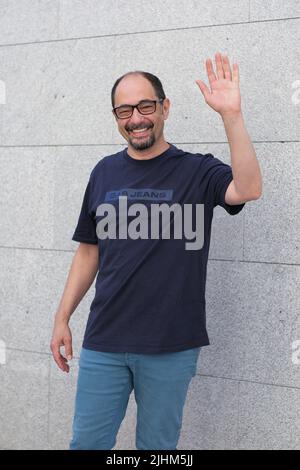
(145, 194)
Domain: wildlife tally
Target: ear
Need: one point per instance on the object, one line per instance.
(166, 107)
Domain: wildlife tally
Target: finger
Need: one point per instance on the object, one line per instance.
(63, 366)
(59, 359)
(210, 72)
(68, 349)
(235, 73)
(219, 67)
(204, 89)
(61, 362)
(226, 67)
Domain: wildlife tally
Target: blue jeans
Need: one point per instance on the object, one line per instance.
(105, 382)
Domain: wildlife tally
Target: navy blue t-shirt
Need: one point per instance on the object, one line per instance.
(150, 292)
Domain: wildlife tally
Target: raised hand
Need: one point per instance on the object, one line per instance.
(224, 93)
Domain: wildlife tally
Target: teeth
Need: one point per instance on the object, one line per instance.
(140, 130)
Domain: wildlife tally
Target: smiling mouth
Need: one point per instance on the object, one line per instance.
(139, 132)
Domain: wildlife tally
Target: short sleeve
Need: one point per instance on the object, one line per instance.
(86, 227)
(219, 175)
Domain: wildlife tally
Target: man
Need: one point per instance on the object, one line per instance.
(147, 321)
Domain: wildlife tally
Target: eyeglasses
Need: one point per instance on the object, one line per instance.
(144, 107)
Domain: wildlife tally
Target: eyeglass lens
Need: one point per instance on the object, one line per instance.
(146, 107)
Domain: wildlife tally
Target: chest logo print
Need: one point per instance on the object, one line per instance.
(154, 221)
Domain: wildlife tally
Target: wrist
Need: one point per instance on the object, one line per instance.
(231, 117)
(62, 318)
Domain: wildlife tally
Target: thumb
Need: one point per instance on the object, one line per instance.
(203, 88)
(68, 349)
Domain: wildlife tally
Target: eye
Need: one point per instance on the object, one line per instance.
(147, 106)
(123, 112)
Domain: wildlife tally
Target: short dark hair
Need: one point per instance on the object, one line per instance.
(155, 82)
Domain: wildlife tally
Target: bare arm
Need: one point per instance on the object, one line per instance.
(82, 273)
(225, 98)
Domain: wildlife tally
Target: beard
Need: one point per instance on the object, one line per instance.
(143, 143)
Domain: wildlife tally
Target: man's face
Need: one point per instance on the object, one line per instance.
(131, 90)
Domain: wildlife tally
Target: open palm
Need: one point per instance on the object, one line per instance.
(224, 94)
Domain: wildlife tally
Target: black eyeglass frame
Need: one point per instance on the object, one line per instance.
(137, 106)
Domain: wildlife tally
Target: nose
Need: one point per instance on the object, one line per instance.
(138, 119)
(136, 116)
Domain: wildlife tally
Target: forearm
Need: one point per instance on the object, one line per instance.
(81, 275)
(245, 166)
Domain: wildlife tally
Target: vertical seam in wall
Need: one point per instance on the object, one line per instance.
(57, 19)
(243, 235)
(48, 414)
(249, 7)
(237, 438)
(115, 78)
(55, 167)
